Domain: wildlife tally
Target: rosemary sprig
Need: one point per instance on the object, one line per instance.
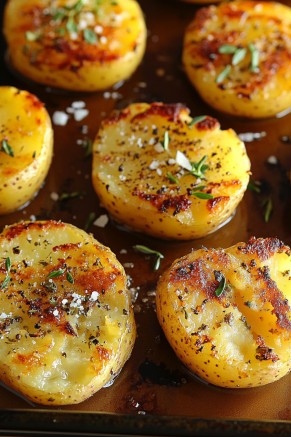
(199, 168)
(148, 251)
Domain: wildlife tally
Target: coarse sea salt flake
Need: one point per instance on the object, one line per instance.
(79, 104)
(54, 196)
(94, 295)
(60, 118)
(80, 114)
(5, 316)
(101, 221)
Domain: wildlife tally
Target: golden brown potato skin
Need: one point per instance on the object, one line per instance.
(66, 319)
(25, 126)
(140, 181)
(242, 337)
(258, 83)
(73, 45)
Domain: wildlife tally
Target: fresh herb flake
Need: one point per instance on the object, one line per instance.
(6, 148)
(196, 120)
(201, 195)
(56, 273)
(221, 286)
(227, 49)
(254, 186)
(223, 74)
(7, 278)
(268, 209)
(89, 36)
(238, 56)
(172, 178)
(166, 140)
(90, 219)
(70, 278)
(255, 57)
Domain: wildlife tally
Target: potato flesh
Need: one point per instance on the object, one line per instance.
(60, 342)
(67, 59)
(131, 171)
(243, 337)
(25, 125)
(264, 92)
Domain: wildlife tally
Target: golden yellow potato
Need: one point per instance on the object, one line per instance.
(226, 312)
(237, 56)
(158, 171)
(66, 319)
(26, 147)
(200, 1)
(75, 44)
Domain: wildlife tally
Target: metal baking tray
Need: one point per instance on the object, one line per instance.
(154, 394)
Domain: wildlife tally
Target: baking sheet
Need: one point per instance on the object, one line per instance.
(153, 384)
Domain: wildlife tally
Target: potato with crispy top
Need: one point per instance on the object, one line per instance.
(226, 312)
(26, 147)
(75, 44)
(159, 171)
(237, 55)
(66, 320)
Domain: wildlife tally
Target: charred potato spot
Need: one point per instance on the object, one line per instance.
(237, 55)
(234, 336)
(66, 322)
(26, 147)
(81, 46)
(158, 172)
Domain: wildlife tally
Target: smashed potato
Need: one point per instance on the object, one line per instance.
(66, 320)
(237, 56)
(226, 312)
(26, 147)
(75, 44)
(161, 172)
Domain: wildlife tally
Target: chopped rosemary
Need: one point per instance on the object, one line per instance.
(255, 57)
(6, 148)
(87, 144)
(222, 283)
(70, 278)
(7, 277)
(254, 186)
(223, 74)
(56, 273)
(71, 26)
(67, 196)
(172, 178)
(227, 49)
(268, 205)
(239, 55)
(196, 120)
(148, 251)
(166, 140)
(90, 219)
(89, 36)
(201, 195)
